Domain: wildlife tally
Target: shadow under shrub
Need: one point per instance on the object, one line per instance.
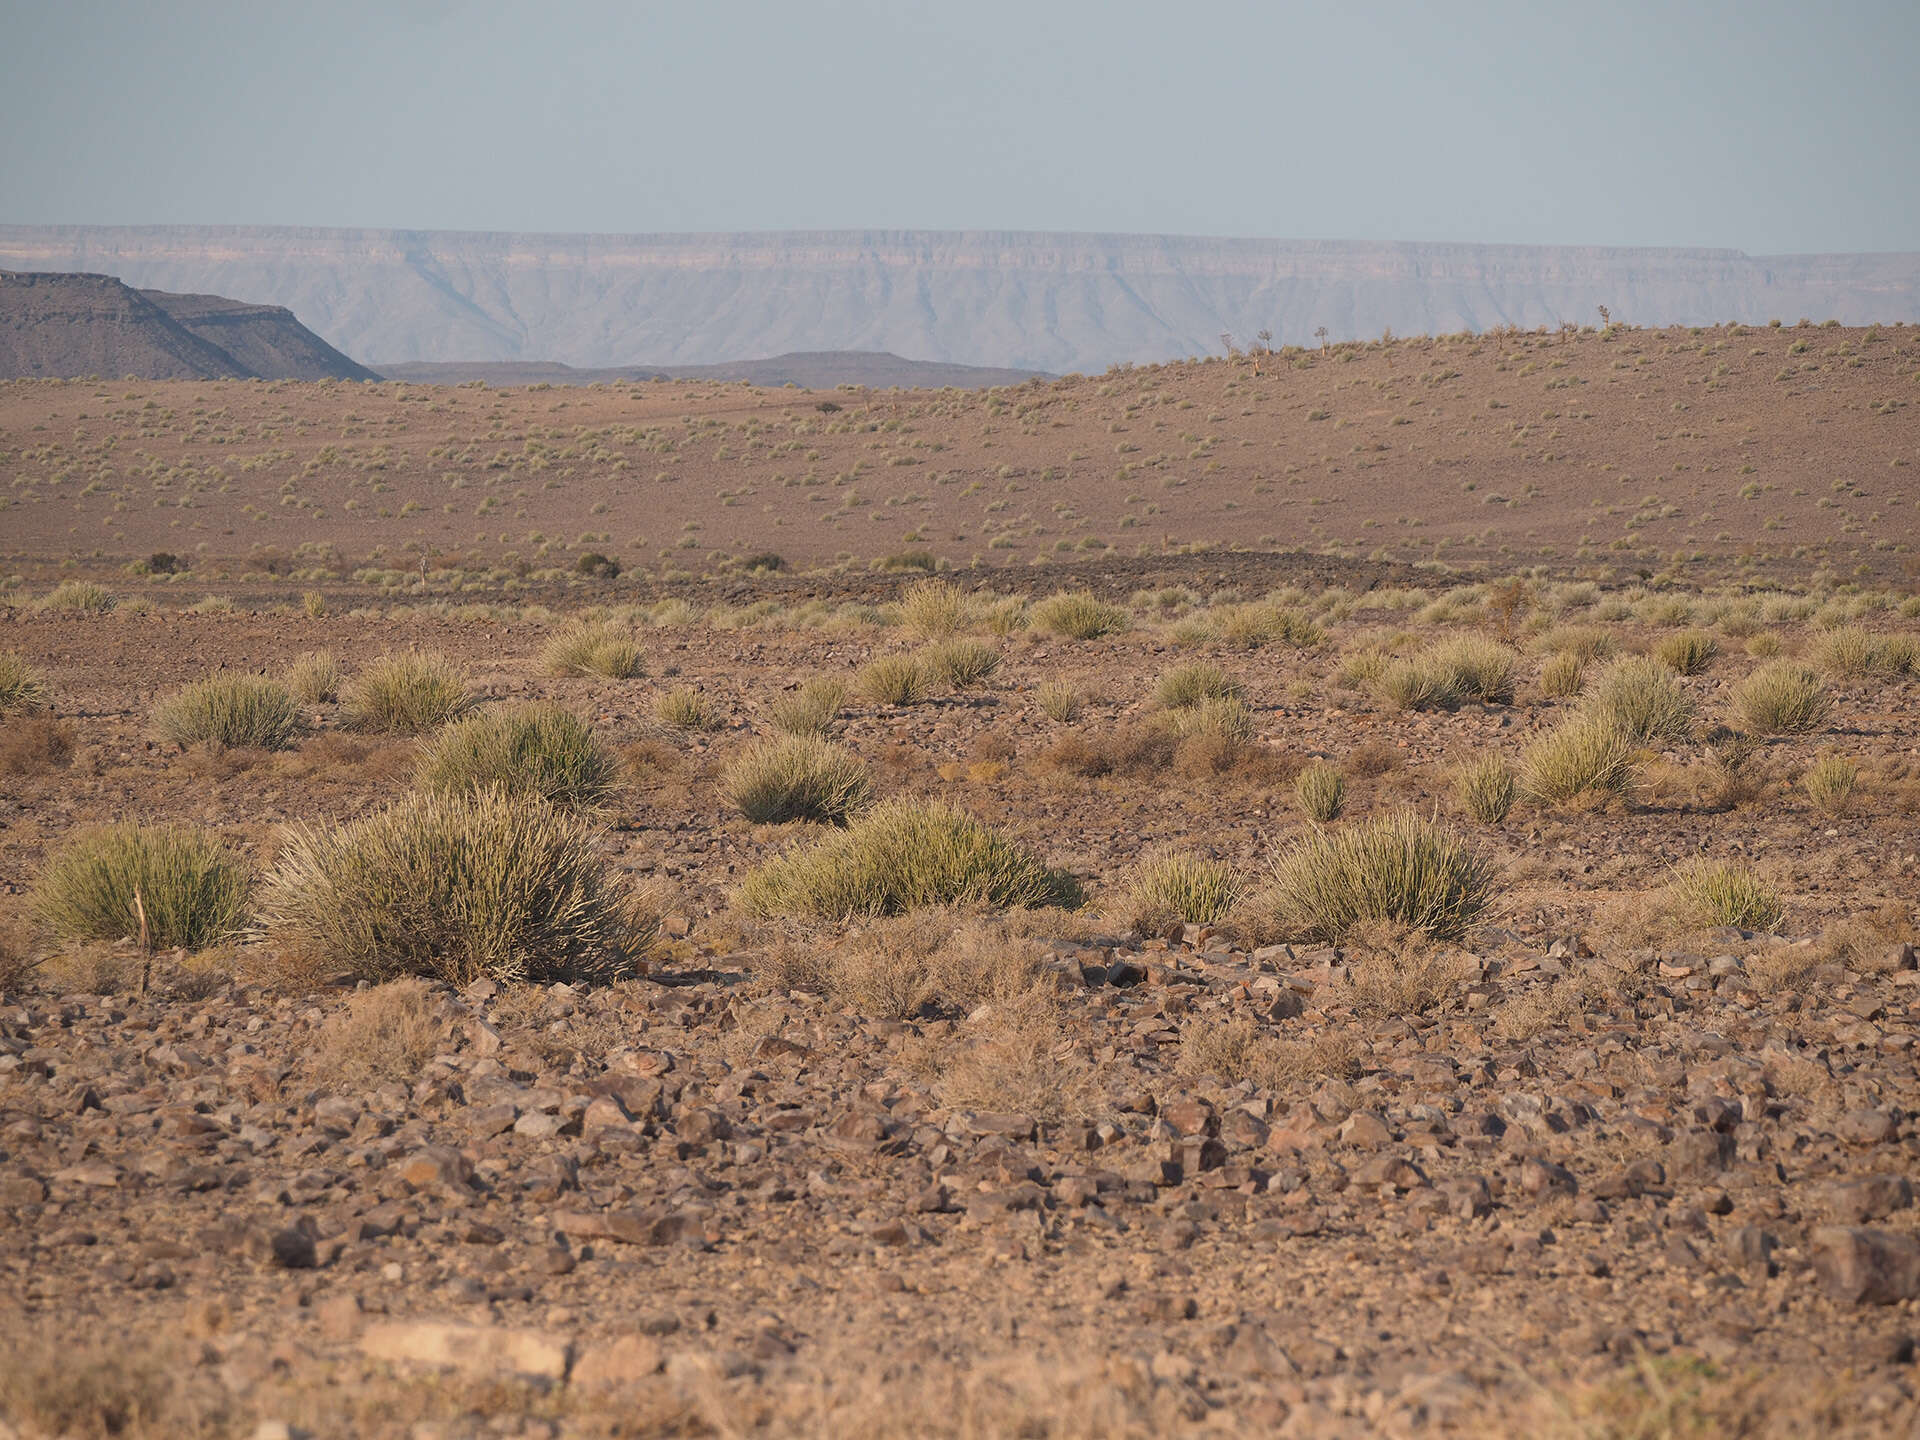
(192, 890)
(532, 749)
(454, 887)
(900, 856)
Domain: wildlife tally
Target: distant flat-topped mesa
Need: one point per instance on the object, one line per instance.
(1018, 300)
(61, 325)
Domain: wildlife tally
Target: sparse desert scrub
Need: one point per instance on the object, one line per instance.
(1563, 676)
(1687, 652)
(230, 711)
(933, 609)
(595, 647)
(1394, 867)
(809, 710)
(1781, 698)
(315, 678)
(35, 744)
(81, 595)
(1830, 783)
(169, 885)
(1057, 700)
(1168, 888)
(535, 748)
(385, 1033)
(892, 680)
(1486, 789)
(1188, 685)
(453, 887)
(1707, 892)
(961, 664)
(1321, 792)
(1077, 615)
(1585, 760)
(1241, 1049)
(798, 777)
(21, 688)
(894, 966)
(685, 708)
(408, 694)
(901, 855)
(1641, 699)
(1398, 970)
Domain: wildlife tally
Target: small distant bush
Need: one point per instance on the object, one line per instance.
(228, 711)
(1686, 653)
(1782, 698)
(454, 887)
(81, 595)
(904, 855)
(597, 566)
(1077, 615)
(908, 560)
(315, 605)
(1720, 892)
(161, 562)
(1641, 699)
(1187, 685)
(892, 680)
(1830, 782)
(1562, 676)
(798, 777)
(685, 708)
(933, 609)
(962, 663)
(765, 562)
(315, 678)
(1224, 717)
(21, 688)
(1321, 791)
(1173, 887)
(1254, 627)
(211, 605)
(593, 648)
(1586, 760)
(191, 890)
(1058, 701)
(810, 710)
(536, 748)
(1397, 868)
(1486, 789)
(407, 694)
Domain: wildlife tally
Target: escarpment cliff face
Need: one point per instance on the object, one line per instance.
(1029, 301)
(58, 325)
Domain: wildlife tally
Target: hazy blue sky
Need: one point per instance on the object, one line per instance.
(1769, 127)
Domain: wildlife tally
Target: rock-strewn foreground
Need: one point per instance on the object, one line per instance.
(693, 1193)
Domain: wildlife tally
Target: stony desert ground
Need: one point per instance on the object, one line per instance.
(1612, 1133)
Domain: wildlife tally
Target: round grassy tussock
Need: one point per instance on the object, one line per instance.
(1170, 888)
(810, 710)
(893, 680)
(454, 887)
(593, 647)
(933, 609)
(1057, 700)
(315, 678)
(1783, 698)
(1563, 676)
(1830, 783)
(1077, 615)
(1188, 685)
(1687, 653)
(81, 595)
(229, 711)
(1321, 792)
(1641, 699)
(21, 689)
(1226, 717)
(903, 855)
(531, 749)
(1585, 760)
(798, 777)
(961, 664)
(406, 695)
(685, 708)
(1486, 789)
(192, 890)
(1719, 892)
(1398, 868)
